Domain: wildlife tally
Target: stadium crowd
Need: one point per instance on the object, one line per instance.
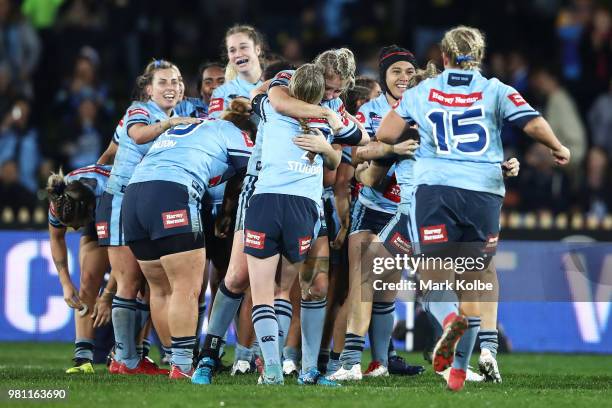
(66, 66)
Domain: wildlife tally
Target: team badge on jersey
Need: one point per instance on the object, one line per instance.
(434, 234)
(174, 219)
(254, 239)
(517, 99)
(216, 105)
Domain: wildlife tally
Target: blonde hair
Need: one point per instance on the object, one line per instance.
(465, 46)
(430, 71)
(339, 62)
(230, 73)
(308, 83)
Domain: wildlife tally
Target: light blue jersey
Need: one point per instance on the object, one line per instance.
(400, 184)
(460, 115)
(197, 156)
(281, 79)
(223, 95)
(129, 153)
(287, 169)
(192, 107)
(94, 177)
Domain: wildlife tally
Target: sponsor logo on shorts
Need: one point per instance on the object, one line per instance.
(304, 244)
(266, 339)
(401, 243)
(102, 230)
(434, 234)
(491, 244)
(254, 239)
(174, 219)
(216, 105)
(454, 99)
(247, 140)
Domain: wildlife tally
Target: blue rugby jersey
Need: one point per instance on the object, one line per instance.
(198, 156)
(223, 95)
(129, 153)
(460, 115)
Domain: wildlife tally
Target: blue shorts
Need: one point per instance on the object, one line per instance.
(108, 220)
(248, 188)
(280, 224)
(323, 231)
(158, 209)
(366, 219)
(443, 214)
(395, 236)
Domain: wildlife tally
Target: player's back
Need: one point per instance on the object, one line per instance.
(196, 153)
(460, 115)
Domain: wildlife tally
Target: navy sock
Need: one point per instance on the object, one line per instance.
(224, 309)
(353, 347)
(124, 326)
(143, 311)
(381, 327)
(83, 348)
(182, 352)
(312, 321)
(266, 329)
(488, 340)
(466, 344)
(284, 312)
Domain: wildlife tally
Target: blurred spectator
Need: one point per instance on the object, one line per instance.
(372, 85)
(19, 46)
(571, 22)
(292, 52)
(596, 194)
(600, 121)
(12, 193)
(560, 111)
(596, 53)
(518, 71)
(19, 143)
(42, 13)
(84, 83)
(542, 186)
(85, 145)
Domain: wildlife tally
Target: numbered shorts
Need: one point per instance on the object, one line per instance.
(248, 188)
(155, 211)
(108, 220)
(443, 215)
(395, 236)
(367, 219)
(280, 224)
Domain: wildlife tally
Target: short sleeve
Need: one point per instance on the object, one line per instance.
(239, 146)
(281, 79)
(514, 109)
(137, 114)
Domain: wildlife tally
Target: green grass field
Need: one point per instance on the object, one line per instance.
(529, 380)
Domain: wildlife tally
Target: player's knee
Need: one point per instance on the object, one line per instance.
(236, 282)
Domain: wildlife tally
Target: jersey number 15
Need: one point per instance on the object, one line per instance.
(465, 131)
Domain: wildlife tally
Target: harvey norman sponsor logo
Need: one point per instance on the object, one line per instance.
(174, 219)
(434, 234)
(254, 239)
(461, 100)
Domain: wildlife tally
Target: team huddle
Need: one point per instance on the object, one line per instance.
(267, 187)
